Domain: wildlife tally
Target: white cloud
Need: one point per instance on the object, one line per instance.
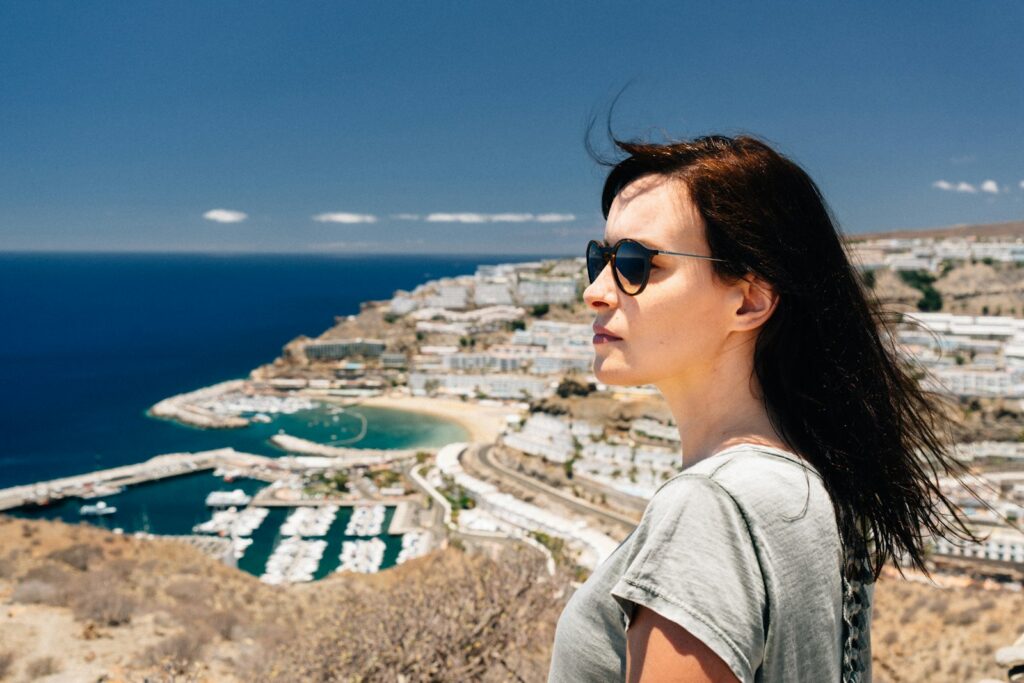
(555, 217)
(511, 217)
(457, 218)
(943, 185)
(225, 216)
(345, 218)
(966, 187)
(1022, 184)
(499, 217)
(406, 216)
(990, 186)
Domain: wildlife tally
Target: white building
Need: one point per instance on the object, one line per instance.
(490, 385)
(494, 292)
(534, 292)
(449, 296)
(563, 361)
(485, 360)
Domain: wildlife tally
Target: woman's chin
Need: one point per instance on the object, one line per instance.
(611, 374)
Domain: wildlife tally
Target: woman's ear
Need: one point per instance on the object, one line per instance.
(757, 302)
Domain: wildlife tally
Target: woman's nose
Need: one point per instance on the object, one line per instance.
(602, 291)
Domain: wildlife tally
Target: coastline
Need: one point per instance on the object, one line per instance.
(484, 423)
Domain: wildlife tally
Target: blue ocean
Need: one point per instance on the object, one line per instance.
(92, 340)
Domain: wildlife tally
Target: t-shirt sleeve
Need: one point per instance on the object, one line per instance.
(694, 563)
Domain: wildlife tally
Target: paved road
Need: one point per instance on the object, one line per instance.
(479, 457)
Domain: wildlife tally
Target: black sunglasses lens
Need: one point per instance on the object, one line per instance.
(631, 262)
(595, 261)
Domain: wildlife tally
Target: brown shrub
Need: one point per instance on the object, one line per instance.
(224, 622)
(939, 604)
(7, 568)
(42, 666)
(97, 596)
(122, 569)
(177, 653)
(35, 592)
(964, 617)
(79, 555)
(109, 607)
(47, 572)
(6, 664)
(464, 617)
(189, 590)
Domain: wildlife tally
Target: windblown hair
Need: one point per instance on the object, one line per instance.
(826, 363)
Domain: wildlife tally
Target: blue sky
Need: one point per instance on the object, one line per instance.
(458, 127)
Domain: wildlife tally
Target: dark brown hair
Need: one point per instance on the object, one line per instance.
(825, 361)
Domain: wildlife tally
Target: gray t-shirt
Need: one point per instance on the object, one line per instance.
(742, 550)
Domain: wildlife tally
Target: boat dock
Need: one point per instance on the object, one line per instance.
(157, 467)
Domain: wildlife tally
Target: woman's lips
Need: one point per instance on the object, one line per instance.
(605, 338)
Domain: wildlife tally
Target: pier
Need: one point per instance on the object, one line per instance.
(157, 467)
(344, 457)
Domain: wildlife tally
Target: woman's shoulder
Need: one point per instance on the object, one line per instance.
(761, 480)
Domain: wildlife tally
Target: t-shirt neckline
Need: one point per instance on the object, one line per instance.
(789, 455)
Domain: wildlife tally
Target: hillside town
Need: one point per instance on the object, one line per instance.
(518, 335)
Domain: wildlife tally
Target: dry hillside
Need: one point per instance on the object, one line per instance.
(80, 604)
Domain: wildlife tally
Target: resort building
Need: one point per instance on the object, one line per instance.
(449, 296)
(342, 348)
(493, 386)
(535, 292)
(563, 361)
(496, 292)
(486, 360)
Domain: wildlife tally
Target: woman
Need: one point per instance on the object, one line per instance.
(809, 453)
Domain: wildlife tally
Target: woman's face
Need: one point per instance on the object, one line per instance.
(672, 332)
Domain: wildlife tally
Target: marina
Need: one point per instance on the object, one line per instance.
(361, 556)
(232, 522)
(191, 506)
(294, 560)
(365, 521)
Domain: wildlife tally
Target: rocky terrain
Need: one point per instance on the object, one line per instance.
(79, 603)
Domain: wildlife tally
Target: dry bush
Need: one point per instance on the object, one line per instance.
(48, 572)
(224, 622)
(177, 654)
(79, 555)
(986, 604)
(42, 666)
(109, 607)
(938, 604)
(35, 592)
(191, 591)
(121, 568)
(461, 617)
(6, 664)
(964, 617)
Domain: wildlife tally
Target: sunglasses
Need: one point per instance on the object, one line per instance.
(631, 263)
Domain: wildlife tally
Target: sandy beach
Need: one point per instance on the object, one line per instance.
(483, 423)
